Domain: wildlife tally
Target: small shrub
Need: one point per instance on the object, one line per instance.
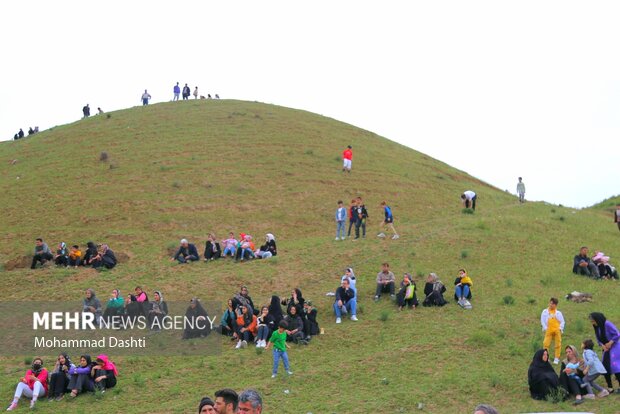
(481, 339)
(467, 211)
(495, 380)
(412, 253)
(259, 351)
(138, 379)
(508, 282)
(531, 300)
(553, 210)
(385, 381)
(464, 254)
(508, 300)
(579, 328)
(28, 361)
(385, 315)
(439, 176)
(557, 395)
(562, 218)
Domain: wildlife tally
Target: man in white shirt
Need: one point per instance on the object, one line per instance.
(469, 199)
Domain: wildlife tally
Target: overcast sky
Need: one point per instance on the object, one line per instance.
(498, 89)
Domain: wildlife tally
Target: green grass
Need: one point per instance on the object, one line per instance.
(189, 168)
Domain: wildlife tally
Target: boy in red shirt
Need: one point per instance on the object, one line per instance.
(347, 155)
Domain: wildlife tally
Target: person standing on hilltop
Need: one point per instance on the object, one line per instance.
(521, 190)
(145, 98)
(186, 92)
(469, 199)
(177, 92)
(347, 156)
(196, 93)
(86, 111)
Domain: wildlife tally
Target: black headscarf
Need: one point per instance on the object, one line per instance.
(89, 361)
(67, 360)
(541, 371)
(599, 329)
(205, 401)
(275, 309)
(197, 311)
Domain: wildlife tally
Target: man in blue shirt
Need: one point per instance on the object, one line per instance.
(341, 217)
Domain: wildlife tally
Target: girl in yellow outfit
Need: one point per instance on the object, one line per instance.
(552, 322)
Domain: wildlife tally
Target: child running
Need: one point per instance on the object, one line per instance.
(278, 339)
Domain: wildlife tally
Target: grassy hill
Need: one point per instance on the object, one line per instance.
(185, 169)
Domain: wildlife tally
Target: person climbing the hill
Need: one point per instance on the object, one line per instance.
(352, 216)
(186, 253)
(33, 385)
(362, 216)
(385, 282)
(346, 301)
(608, 336)
(433, 291)
(347, 158)
(406, 296)
(521, 190)
(341, 216)
(230, 245)
(462, 288)
(552, 322)
(387, 221)
(177, 91)
(213, 250)
(186, 92)
(583, 265)
(42, 253)
(146, 97)
(469, 199)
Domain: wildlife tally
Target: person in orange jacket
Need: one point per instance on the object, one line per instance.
(246, 326)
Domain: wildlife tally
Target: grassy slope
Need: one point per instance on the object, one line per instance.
(185, 169)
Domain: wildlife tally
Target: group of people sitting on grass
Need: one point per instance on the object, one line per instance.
(597, 267)
(246, 323)
(241, 249)
(347, 297)
(96, 256)
(577, 375)
(66, 377)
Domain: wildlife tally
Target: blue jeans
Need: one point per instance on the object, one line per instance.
(339, 229)
(277, 354)
(462, 291)
(230, 250)
(190, 258)
(263, 333)
(350, 307)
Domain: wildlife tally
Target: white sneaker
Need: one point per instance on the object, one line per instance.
(556, 361)
(289, 372)
(273, 375)
(343, 238)
(258, 343)
(338, 320)
(353, 318)
(603, 393)
(589, 396)
(382, 235)
(244, 344)
(395, 237)
(238, 344)
(337, 238)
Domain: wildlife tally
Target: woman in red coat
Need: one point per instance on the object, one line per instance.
(33, 385)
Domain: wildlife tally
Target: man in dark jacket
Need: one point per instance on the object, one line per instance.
(42, 253)
(583, 265)
(187, 252)
(345, 301)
